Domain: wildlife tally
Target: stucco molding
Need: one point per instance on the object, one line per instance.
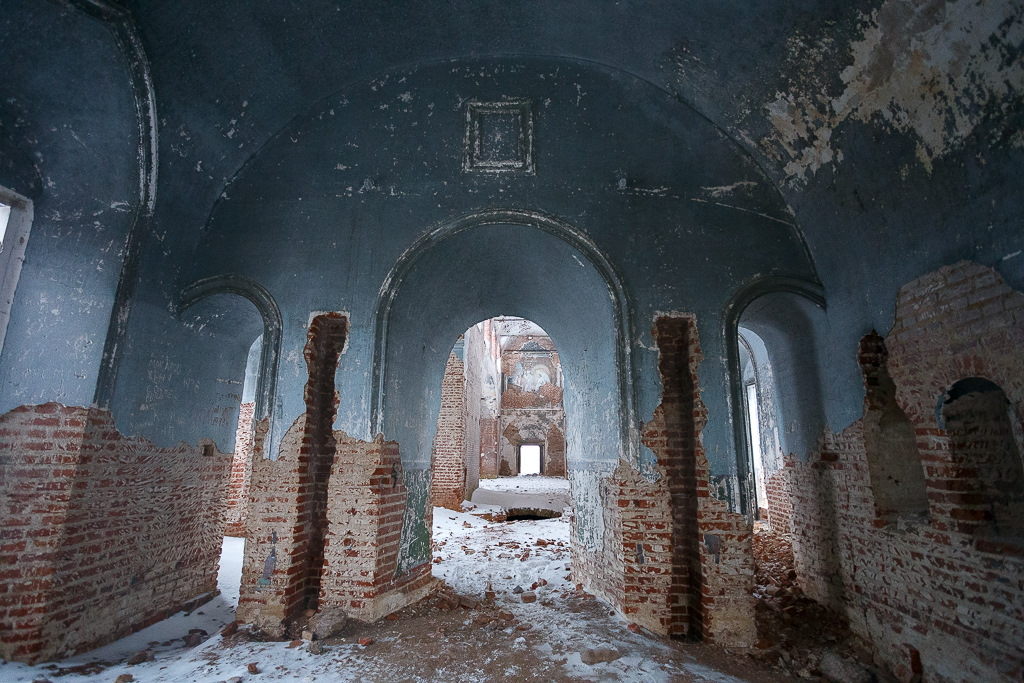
(129, 40)
(575, 238)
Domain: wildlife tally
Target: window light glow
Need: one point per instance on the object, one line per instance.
(5, 214)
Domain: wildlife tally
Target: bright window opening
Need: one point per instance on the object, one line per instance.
(529, 459)
(5, 214)
(755, 445)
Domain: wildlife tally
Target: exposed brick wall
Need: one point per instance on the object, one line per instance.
(712, 552)
(102, 534)
(238, 489)
(325, 342)
(983, 446)
(651, 584)
(958, 322)
(448, 461)
(488, 447)
(326, 516)
(554, 461)
(780, 502)
(946, 591)
(287, 523)
(366, 505)
(277, 537)
(674, 560)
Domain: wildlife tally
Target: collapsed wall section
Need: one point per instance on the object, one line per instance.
(102, 534)
(938, 595)
(673, 559)
(366, 501)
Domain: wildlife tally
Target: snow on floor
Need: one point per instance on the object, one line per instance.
(531, 483)
(477, 554)
(174, 661)
(474, 554)
(531, 491)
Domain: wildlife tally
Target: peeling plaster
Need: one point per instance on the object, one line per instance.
(934, 70)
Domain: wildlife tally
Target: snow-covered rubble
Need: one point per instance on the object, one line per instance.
(562, 634)
(529, 492)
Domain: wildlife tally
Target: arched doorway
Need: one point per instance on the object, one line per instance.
(467, 271)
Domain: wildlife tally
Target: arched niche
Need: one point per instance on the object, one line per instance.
(985, 442)
(229, 285)
(781, 299)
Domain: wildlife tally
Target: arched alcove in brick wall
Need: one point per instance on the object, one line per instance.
(985, 445)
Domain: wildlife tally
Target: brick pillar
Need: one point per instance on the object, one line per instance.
(555, 456)
(238, 488)
(448, 461)
(287, 527)
(488, 447)
(688, 561)
(365, 512)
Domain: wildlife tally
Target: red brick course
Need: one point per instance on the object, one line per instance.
(238, 489)
(103, 534)
(448, 460)
(945, 595)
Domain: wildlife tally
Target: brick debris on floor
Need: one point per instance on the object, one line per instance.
(797, 635)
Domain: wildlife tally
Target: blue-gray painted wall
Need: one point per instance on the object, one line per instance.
(656, 137)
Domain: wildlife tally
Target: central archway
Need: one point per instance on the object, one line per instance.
(571, 236)
(517, 263)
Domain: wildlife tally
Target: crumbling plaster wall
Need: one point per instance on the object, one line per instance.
(368, 192)
(606, 126)
(938, 595)
(317, 175)
(52, 141)
(893, 130)
(674, 559)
